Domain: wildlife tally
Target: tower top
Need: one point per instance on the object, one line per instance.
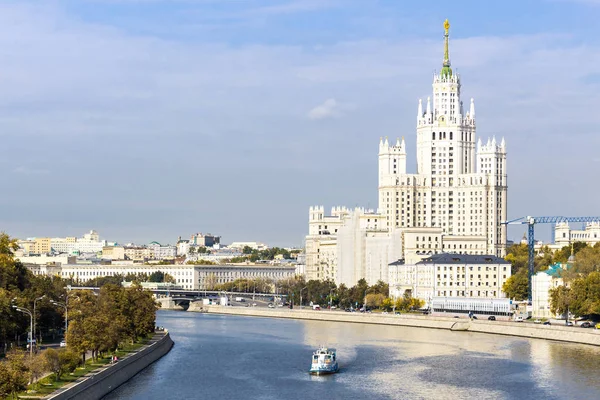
(446, 70)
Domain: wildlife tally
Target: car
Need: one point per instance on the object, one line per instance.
(519, 319)
(586, 324)
(568, 323)
(279, 305)
(537, 321)
(474, 317)
(456, 316)
(253, 304)
(491, 318)
(546, 323)
(63, 344)
(271, 305)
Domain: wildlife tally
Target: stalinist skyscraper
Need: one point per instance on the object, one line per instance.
(460, 185)
(454, 203)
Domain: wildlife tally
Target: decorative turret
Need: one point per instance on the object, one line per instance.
(472, 109)
(428, 106)
(420, 110)
(446, 71)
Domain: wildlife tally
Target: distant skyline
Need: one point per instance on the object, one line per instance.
(152, 119)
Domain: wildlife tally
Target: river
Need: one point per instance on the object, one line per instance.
(232, 357)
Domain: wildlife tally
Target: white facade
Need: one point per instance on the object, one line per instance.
(210, 275)
(89, 243)
(460, 185)
(455, 202)
(185, 275)
(161, 252)
(450, 275)
(564, 235)
(541, 283)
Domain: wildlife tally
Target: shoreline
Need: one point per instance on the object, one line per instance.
(587, 336)
(101, 382)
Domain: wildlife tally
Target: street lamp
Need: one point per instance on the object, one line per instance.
(28, 312)
(34, 314)
(301, 295)
(64, 305)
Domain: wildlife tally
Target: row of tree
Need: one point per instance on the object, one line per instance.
(300, 291)
(97, 323)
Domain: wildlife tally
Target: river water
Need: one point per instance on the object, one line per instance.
(231, 357)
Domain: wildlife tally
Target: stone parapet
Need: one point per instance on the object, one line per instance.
(553, 332)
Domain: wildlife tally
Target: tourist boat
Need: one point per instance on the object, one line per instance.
(324, 361)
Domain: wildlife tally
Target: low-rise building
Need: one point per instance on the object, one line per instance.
(541, 284)
(184, 275)
(211, 275)
(163, 252)
(45, 259)
(113, 253)
(138, 253)
(207, 240)
(450, 276)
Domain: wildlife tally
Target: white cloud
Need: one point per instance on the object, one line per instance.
(329, 109)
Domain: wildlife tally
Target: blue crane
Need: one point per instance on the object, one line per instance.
(531, 221)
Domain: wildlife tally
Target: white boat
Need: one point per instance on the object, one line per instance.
(324, 361)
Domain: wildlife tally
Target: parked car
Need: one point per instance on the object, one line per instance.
(586, 324)
(537, 321)
(546, 323)
(491, 318)
(270, 305)
(63, 344)
(568, 323)
(316, 307)
(519, 319)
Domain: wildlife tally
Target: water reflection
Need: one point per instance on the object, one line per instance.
(258, 358)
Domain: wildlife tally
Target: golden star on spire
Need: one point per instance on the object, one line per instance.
(446, 25)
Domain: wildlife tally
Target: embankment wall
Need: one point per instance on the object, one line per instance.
(553, 332)
(100, 383)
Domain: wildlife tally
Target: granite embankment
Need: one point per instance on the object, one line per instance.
(560, 333)
(99, 383)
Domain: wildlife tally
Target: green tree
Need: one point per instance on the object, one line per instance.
(60, 362)
(13, 373)
(516, 286)
(375, 300)
(560, 299)
(247, 250)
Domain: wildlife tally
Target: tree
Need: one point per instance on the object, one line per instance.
(374, 300)
(560, 298)
(36, 366)
(387, 304)
(247, 250)
(380, 288)
(13, 373)
(587, 260)
(516, 286)
(60, 362)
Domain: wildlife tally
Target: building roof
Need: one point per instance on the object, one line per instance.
(451, 258)
(398, 262)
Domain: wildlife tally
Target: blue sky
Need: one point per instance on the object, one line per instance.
(150, 119)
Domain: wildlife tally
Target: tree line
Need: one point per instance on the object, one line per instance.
(300, 291)
(98, 323)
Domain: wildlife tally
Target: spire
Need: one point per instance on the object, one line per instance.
(397, 142)
(446, 71)
(472, 111)
(428, 105)
(403, 145)
(479, 144)
(386, 143)
(420, 111)
(503, 143)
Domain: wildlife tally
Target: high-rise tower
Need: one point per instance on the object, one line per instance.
(459, 187)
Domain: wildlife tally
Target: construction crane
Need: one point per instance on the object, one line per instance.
(530, 222)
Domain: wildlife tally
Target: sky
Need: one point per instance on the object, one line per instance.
(152, 119)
